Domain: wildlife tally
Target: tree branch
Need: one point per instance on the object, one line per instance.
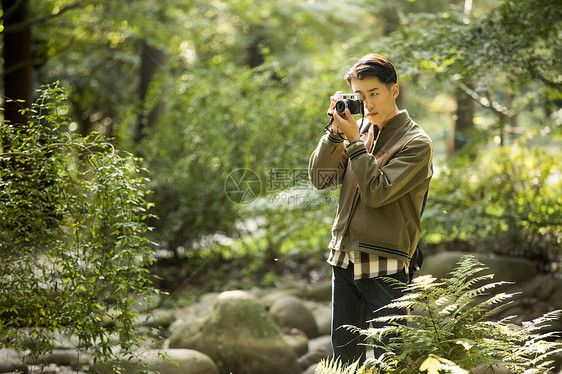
(485, 101)
(11, 10)
(536, 73)
(53, 145)
(17, 27)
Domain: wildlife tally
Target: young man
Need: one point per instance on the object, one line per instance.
(384, 166)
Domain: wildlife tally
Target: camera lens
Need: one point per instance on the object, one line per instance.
(340, 106)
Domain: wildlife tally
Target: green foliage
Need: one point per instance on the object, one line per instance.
(477, 49)
(246, 83)
(433, 365)
(512, 195)
(492, 58)
(73, 246)
(219, 114)
(217, 121)
(334, 366)
(451, 323)
(286, 222)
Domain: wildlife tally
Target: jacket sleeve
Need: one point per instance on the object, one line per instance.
(409, 167)
(328, 162)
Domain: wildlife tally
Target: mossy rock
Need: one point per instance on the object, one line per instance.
(240, 336)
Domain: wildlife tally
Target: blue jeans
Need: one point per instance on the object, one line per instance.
(354, 302)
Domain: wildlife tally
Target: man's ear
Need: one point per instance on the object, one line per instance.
(395, 90)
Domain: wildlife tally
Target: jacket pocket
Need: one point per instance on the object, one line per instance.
(382, 227)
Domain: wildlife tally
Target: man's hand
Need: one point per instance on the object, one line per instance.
(333, 100)
(347, 125)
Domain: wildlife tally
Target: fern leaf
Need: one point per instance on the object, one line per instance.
(378, 333)
(484, 288)
(540, 321)
(392, 318)
(329, 366)
(400, 304)
(466, 282)
(452, 321)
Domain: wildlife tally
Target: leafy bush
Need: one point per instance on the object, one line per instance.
(451, 329)
(506, 200)
(73, 250)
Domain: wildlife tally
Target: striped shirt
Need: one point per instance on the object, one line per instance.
(365, 265)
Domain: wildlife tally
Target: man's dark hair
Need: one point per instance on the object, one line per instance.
(372, 65)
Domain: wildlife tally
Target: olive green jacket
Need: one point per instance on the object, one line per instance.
(382, 189)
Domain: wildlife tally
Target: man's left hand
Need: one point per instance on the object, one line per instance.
(346, 124)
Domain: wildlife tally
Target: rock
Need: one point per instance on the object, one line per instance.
(269, 299)
(318, 349)
(65, 370)
(318, 292)
(504, 268)
(61, 357)
(322, 344)
(311, 369)
(66, 341)
(206, 301)
(11, 361)
(555, 299)
(178, 361)
(322, 313)
(158, 318)
(48, 369)
(240, 337)
(486, 369)
(297, 340)
(290, 312)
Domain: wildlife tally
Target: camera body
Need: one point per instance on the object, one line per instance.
(354, 102)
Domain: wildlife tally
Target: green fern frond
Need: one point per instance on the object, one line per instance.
(465, 282)
(401, 304)
(394, 318)
(495, 303)
(450, 321)
(466, 268)
(472, 293)
(539, 322)
(335, 366)
(377, 333)
(423, 283)
(329, 366)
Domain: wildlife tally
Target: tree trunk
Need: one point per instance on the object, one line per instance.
(18, 66)
(152, 60)
(464, 122)
(392, 17)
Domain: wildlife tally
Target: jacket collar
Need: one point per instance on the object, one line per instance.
(393, 130)
(394, 126)
(397, 121)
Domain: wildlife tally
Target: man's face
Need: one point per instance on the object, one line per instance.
(379, 99)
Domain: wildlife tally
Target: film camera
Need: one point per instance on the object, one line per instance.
(354, 102)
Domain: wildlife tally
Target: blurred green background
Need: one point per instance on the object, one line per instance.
(226, 97)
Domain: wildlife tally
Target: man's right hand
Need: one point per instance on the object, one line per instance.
(333, 99)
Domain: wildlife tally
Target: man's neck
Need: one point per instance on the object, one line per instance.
(393, 114)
